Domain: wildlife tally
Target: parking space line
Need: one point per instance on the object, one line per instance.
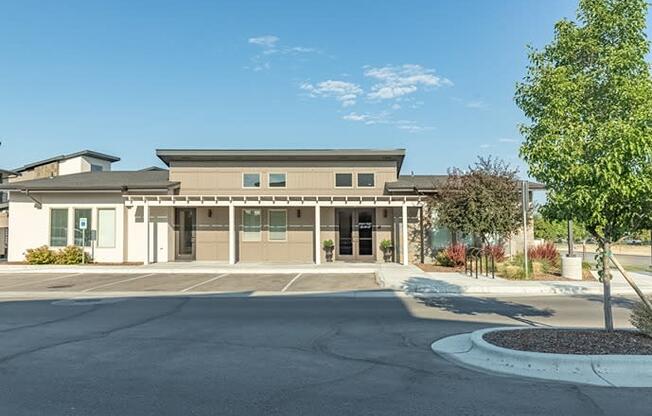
(38, 281)
(118, 282)
(294, 279)
(204, 282)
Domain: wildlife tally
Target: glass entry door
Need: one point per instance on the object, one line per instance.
(355, 240)
(185, 233)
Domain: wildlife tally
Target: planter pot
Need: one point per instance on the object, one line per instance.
(387, 255)
(329, 254)
(571, 268)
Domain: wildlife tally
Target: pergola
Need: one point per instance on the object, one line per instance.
(315, 201)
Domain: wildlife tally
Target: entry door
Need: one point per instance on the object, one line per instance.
(355, 234)
(185, 233)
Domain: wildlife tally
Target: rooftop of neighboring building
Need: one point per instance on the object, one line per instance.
(87, 153)
(123, 181)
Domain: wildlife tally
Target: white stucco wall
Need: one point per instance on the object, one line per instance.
(81, 164)
(29, 227)
(161, 230)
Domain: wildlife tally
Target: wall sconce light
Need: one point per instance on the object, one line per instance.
(298, 213)
(210, 213)
(385, 213)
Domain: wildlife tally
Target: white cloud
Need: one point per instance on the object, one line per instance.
(267, 41)
(269, 46)
(507, 140)
(344, 92)
(384, 118)
(396, 81)
(476, 104)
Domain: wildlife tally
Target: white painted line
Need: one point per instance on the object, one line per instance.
(38, 281)
(204, 282)
(294, 279)
(118, 282)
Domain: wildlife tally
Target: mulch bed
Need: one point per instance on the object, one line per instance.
(572, 341)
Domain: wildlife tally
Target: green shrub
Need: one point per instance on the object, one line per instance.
(386, 245)
(328, 244)
(71, 255)
(641, 318)
(40, 255)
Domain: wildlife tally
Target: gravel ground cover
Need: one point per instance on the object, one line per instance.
(572, 341)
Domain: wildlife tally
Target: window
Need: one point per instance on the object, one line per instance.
(366, 180)
(343, 180)
(251, 180)
(277, 180)
(59, 227)
(106, 227)
(79, 233)
(251, 225)
(96, 168)
(278, 224)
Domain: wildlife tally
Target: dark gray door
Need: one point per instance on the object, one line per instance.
(185, 233)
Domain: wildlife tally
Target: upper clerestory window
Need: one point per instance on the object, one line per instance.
(343, 180)
(251, 180)
(366, 180)
(277, 180)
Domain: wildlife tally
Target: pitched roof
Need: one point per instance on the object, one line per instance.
(168, 155)
(430, 183)
(89, 153)
(98, 181)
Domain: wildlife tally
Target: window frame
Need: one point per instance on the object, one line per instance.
(260, 180)
(87, 234)
(67, 211)
(98, 229)
(269, 180)
(260, 225)
(373, 176)
(269, 225)
(343, 173)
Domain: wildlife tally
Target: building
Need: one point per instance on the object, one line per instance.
(84, 161)
(230, 206)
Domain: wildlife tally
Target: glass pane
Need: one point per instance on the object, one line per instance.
(79, 214)
(344, 180)
(58, 227)
(251, 225)
(366, 180)
(186, 222)
(251, 180)
(365, 232)
(277, 180)
(277, 225)
(346, 233)
(106, 228)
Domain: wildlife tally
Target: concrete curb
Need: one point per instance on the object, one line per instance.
(599, 370)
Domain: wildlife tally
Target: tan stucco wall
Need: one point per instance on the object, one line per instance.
(212, 234)
(303, 178)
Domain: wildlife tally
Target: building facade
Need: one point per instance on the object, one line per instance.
(232, 206)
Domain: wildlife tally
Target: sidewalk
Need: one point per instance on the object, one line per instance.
(414, 281)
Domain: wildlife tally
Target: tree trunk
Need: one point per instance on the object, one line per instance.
(606, 283)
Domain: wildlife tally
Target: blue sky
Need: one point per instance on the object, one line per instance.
(127, 77)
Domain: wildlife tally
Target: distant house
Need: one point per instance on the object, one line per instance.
(231, 206)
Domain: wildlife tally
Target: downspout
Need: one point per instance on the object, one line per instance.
(37, 203)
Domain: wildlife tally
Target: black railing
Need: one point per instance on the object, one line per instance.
(479, 256)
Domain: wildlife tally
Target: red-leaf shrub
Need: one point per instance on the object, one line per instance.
(452, 255)
(498, 251)
(546, 251)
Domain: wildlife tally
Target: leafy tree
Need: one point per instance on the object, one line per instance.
(483, 201)
(588, 96)
(555, 230)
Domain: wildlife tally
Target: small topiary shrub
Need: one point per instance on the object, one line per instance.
(452, 255)
(40, 255)
(641, 318)
(72, 255)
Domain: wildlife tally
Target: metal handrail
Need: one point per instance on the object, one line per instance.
(479, 255)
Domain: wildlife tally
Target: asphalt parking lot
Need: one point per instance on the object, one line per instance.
(186, 283)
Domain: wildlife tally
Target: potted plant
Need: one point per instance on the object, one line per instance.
(386, 246)
(329, 247)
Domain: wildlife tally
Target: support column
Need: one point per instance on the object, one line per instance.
(231, 234)
(146, 223)
(404, 234)
(317, 234)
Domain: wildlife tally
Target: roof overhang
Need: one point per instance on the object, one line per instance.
(208, 155)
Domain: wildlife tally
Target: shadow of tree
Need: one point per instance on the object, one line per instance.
(619, 301)
(462, 305)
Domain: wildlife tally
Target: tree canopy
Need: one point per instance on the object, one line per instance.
(483, 201)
